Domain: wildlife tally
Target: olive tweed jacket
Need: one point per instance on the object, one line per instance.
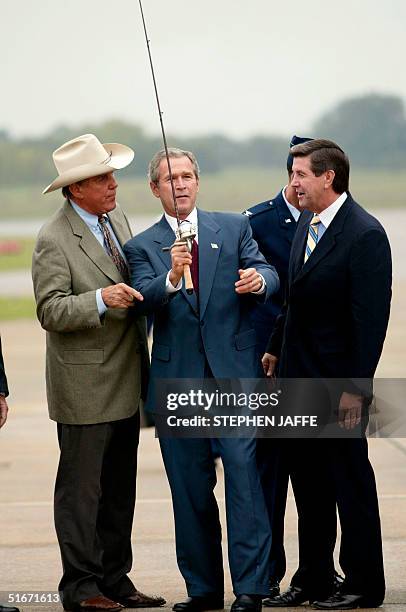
(96, 367)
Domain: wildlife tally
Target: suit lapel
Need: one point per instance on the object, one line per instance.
(297, 253)
(163, 237)
(327, 241)
(120, 227)
(89, 244)
(210, 243)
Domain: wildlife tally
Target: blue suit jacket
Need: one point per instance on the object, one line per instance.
(3, 379)
(273, 228)
(217, 327)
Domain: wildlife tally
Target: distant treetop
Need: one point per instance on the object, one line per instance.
(370, 128)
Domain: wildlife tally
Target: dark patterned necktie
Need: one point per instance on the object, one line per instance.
(113, 251)
(194, 268)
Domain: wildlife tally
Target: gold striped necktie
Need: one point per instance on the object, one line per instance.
(312, 237)
(113, 251)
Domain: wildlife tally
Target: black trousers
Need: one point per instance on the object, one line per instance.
(94, 508)
(279, 459)
(315, 499)
(274, 472)
(338, 470)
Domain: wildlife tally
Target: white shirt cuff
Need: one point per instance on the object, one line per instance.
(262, 288)
(169, 287)
(101, 306)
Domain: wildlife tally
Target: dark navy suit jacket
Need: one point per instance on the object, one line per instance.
(215, 329)
(273, 228)
(337, 311)
(3, 379)
(333, 326)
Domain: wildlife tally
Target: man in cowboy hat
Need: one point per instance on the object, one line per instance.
(96, 369)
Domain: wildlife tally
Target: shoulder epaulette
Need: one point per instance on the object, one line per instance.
(258, 208)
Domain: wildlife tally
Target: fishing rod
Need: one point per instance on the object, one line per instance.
(185, 235)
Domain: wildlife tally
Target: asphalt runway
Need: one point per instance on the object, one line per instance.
(29, 554)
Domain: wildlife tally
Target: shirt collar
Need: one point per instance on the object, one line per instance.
(292, 209)
(91, 221)
(192, 218)
(328, 214)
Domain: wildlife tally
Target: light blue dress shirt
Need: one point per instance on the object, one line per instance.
(92, 222)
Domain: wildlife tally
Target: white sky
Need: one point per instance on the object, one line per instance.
(229, 66)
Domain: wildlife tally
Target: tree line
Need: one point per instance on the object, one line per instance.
(370, 128)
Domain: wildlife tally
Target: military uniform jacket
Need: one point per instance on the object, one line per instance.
(273, 227)
(3, 379)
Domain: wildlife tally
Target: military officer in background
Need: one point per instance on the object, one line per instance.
(273, 224)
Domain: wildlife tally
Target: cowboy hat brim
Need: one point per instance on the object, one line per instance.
(118, 156)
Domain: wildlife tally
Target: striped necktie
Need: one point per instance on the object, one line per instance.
(113, 251)
(312, 237)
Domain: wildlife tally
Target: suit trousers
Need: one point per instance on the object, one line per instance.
(338, 471)
(94, 507)
(314, 492)
(361, 555)
(273, 466)
(191, 473)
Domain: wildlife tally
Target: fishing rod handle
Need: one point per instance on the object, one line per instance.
(188, 279)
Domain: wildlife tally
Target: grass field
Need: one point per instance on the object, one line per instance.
(20, 260)
(231, 190)
(16, 308)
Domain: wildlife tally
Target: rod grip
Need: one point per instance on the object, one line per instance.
(188, 280)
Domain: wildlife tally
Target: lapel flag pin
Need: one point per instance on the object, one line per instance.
(214, 245)
(288, 220)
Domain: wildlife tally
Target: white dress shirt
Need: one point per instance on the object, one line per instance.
(192, 219)
(173, 223)
(292, 209)
(328, 214)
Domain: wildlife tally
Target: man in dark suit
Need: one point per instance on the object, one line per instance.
(207, 334)
(333, 325)
(3, 391)
(273, 225)
(3, 419)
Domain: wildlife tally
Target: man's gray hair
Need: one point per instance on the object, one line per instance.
(153, 168)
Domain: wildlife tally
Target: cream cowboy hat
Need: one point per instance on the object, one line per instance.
(84, 157)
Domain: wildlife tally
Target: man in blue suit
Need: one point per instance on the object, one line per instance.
(204, 335)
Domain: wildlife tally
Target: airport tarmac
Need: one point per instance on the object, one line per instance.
(29, 554)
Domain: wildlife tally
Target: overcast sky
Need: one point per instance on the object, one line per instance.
(231, 66)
